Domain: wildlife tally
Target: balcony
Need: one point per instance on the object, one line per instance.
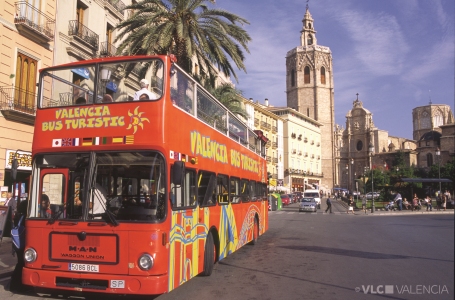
(274, 145)
(305, 140)
(293, 135)
(33, 24)
(107, 49)
(256, 121)
(274, 129)
(312, 155)
(312, 142)
(300, 152)
(18, 105)
(265, 125)
(268, 144)
(318, 144)
(268, 158)
(116, 7)
(275, 160)
(294, 151)
(300, 137)
(306, 154)
(83, 34)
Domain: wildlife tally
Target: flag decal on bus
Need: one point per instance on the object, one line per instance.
(93, 141)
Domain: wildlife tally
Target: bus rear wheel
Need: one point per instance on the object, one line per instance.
(209, 256)
(254, 241)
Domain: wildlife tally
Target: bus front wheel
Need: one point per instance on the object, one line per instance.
(209, 256)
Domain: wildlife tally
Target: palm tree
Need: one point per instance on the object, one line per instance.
(230, 97)
(190, 30)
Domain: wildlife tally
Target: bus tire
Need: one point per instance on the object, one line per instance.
(254, 241)
(209, 255)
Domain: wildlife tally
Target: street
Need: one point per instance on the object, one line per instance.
(331, 256)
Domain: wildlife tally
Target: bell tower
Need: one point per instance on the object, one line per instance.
(309, 90)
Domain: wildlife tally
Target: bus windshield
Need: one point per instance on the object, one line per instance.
(120, 186)
(102, 83)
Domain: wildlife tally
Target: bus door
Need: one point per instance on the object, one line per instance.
(53, 196)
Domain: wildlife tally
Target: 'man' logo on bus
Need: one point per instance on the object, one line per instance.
(82, 249)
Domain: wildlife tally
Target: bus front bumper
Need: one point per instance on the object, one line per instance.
(95, 283)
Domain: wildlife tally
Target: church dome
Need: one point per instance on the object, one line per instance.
(431, 136)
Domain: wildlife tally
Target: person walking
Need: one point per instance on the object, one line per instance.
(11, 202)
(364, 204)
(16, 278)
(329, 205)
(351, 206)
(429, 205)
(399, 201)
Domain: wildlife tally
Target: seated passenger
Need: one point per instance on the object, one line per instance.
(81, 100)
(144, 90)
(144, 97)
(107, 98)
(45, 207)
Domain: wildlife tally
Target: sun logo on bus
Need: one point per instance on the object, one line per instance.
(136, 120)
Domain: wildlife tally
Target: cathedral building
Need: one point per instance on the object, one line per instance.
(353, 145)
(309, 90)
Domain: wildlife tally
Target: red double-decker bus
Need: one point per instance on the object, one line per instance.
(141, 179)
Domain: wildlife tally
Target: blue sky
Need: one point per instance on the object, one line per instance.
(395, 53)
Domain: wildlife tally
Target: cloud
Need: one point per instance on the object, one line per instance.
(378, 41)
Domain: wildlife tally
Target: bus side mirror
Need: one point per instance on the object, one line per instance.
(178, 171)
(14, 166)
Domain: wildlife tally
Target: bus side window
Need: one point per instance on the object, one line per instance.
(234, 190)
(206, 188)
(222, 189)
(184, 195)
(244, 190)
(252, 190)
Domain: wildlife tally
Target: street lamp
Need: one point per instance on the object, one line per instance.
(438, 154)
(371, 152)
(350, 172)
(365, 170)
(347, 176)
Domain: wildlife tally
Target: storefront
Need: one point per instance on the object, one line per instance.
(20, 186)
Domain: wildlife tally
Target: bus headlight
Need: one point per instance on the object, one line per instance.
(145, 262)
(30, 255)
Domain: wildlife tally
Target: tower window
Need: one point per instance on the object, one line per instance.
(322, 75)
(429, 160)
(310, 39)
(306, 73)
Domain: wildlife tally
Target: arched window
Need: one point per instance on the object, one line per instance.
(310, 40)
(322, 75)
(437, 119)
(306, 73)
(429, 160)
(292, 77)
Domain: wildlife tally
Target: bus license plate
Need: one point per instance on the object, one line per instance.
(117, 284)
(83, 268)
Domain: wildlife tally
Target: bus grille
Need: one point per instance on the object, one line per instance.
(82, 283)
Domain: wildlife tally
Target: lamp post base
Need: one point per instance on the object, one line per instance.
(372, 207)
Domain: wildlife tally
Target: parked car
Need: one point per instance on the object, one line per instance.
(285, 200)
(369, 195)
(313, 194)
(308, 204)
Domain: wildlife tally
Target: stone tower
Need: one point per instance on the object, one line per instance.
(430, 117)
(309, 89)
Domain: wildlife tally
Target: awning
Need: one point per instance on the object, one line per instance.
(111, 86)
(429, 180)
(83, 72)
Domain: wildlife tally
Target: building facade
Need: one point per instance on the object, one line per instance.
(309, 88)
(302, 150)
(27, 39)
(271, 125)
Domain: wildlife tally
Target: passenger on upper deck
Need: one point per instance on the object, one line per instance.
(144, 90)
(107, 98)
(81, 100)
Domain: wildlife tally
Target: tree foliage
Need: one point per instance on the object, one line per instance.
(190, 30)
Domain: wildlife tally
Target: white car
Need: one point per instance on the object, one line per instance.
(376, 195)
(313, 194)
